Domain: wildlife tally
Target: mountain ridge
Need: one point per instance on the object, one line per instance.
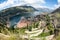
(57, 10)
(14, 10)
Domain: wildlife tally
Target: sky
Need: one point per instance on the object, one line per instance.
(51, 4)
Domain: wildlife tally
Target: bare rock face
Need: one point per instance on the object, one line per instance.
(42, 24)
(23, 23)
(49, 37)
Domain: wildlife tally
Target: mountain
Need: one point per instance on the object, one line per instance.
(8, 13)
(16, 10)
(57, 10)
(44, 10)
(55, 15)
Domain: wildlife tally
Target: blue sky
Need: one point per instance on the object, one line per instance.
(1, 1)
(51, 4)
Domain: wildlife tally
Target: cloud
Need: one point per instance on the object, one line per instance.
(58, 1)
(7, 3)
(57, 5)
(34, 1)
(11, 3)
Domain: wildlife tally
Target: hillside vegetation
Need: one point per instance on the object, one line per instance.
(48, 23)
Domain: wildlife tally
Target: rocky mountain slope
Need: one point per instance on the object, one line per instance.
(15, 10)
(57, 10)
(45, 10)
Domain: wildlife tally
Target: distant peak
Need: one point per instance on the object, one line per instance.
(57, 10)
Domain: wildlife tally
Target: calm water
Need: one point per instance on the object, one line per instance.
(17, 18)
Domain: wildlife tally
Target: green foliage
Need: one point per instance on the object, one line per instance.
(14, 34)
(12, 37)
(44, 34)
(47, 18)
(35, 25)
(58, 37)
(30, 28)
(21, 31)
(51, 28)
(44, 38)
(49, 24)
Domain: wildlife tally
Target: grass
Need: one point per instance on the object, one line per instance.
(43, 35)
(14, 34)
(22, 31)
(58, 37)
